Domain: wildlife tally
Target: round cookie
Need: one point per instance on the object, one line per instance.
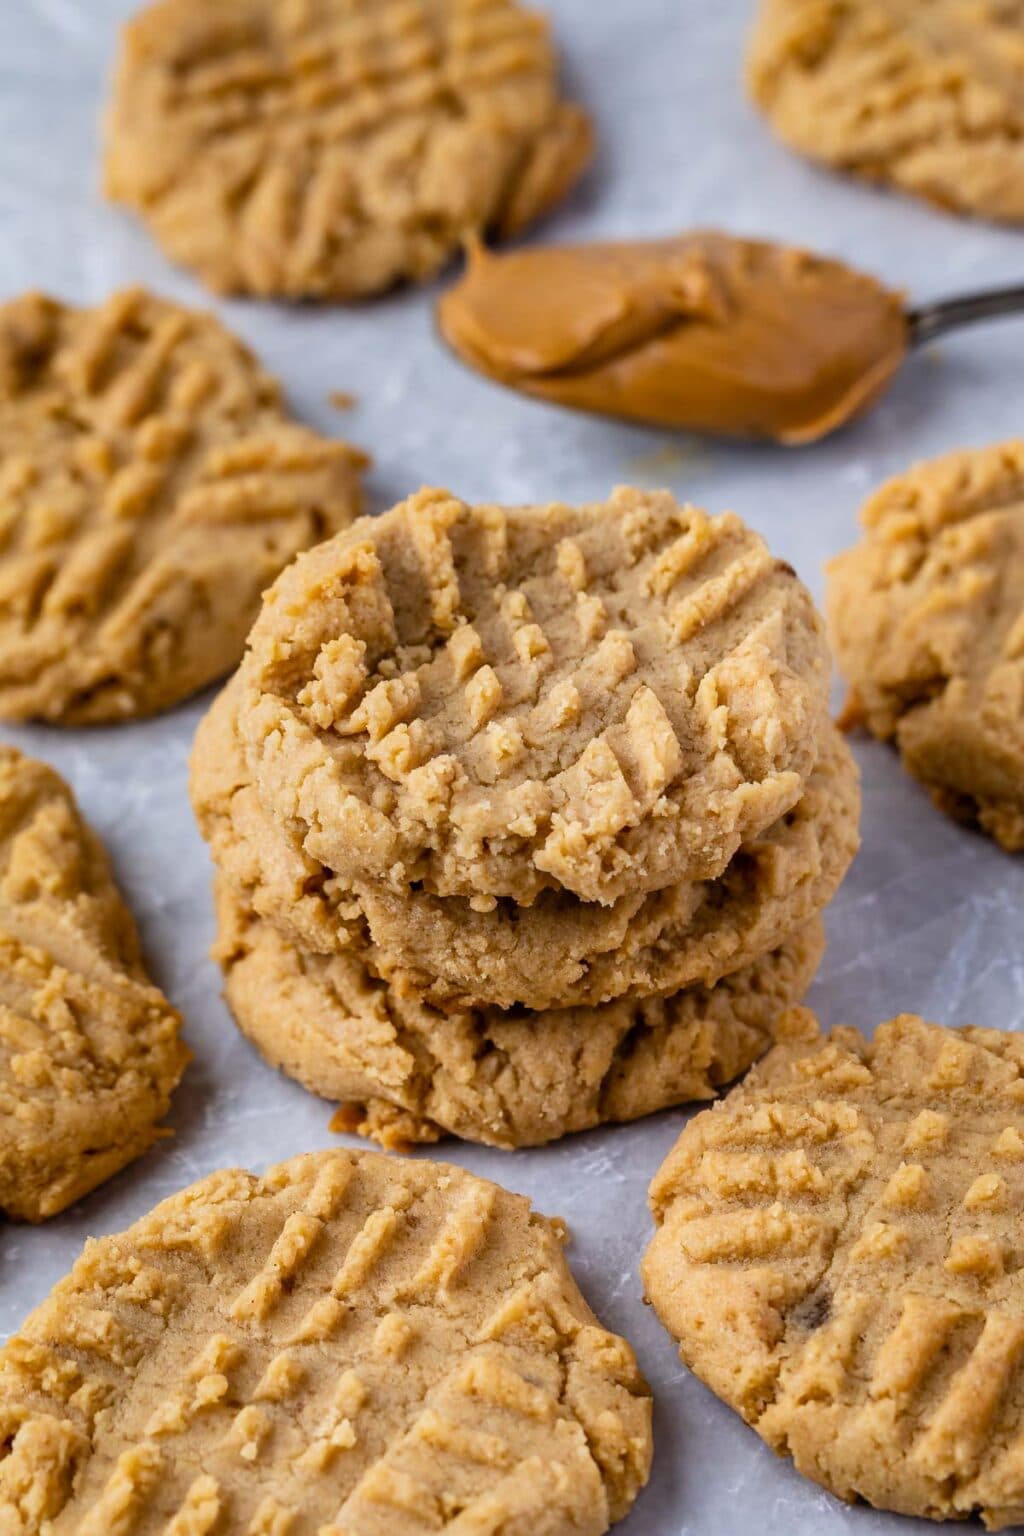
(151, 487)
(89, 1048)
(687, 935)
(927, 616)
(351, 1343)
(559, 952)
(928, 98)
(490, 702)
(404, 1071)
(333, 149)
(837, 1252)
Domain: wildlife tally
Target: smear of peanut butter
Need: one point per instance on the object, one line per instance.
(703, 332)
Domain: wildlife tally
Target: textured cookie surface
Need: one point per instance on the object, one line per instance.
(838, 1254)
(151, 486)
(404, 1071)
(927, 95)
(331, 148)
(352, 1343)
(560, 952)
(492, 702)
(89, 1049)
(927, 616)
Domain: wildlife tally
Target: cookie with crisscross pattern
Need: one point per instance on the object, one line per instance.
(559, 952)
(927, 95)
(492, 702)
(351, 1343)
(89, 1048)
(838, 1252)
(927, 615)
(332, 148)
(151, 486)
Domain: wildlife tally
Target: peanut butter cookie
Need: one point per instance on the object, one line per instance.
(927, 95)
(404, 1071)
(151, 486)
(927, 617)
(838, 1255)
(333, 149)
(492, 702)
(563, 952)
(89, 1048)
(351, 1343)
(559, 952)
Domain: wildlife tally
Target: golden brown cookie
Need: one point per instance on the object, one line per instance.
(559, 952)
(151, 486)
(89, 1048)
(572, 953)
(404, 1071)
(927, 617)
(927, 95)
(491, 702)
(352, 1343)
(837, 1252)
(333, 149)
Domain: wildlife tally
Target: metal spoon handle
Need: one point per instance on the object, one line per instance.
(931, 320)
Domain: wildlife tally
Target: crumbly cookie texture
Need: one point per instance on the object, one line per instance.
(927, 97)
(333, 149)
(836, 1252)
(927, 618)
(490, 702)
(89, 1048)
(351, 1343)
(151, 486)
(404, 1071)
(559, 952)
(684, 936)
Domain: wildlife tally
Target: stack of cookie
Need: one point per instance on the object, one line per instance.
(524, 819)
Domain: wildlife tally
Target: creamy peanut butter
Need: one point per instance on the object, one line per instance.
(701, 331)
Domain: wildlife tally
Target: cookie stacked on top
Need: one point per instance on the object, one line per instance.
(524, 818)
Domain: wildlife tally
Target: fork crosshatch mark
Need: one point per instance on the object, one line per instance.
(351, 1343)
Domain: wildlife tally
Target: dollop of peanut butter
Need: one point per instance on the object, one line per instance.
(702, 331)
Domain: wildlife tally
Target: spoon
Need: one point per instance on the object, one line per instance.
(929, 321)
(704, 332)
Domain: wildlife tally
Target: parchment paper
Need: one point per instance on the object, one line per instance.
(930, 917)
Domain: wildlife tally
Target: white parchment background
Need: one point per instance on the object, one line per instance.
(930, 917)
